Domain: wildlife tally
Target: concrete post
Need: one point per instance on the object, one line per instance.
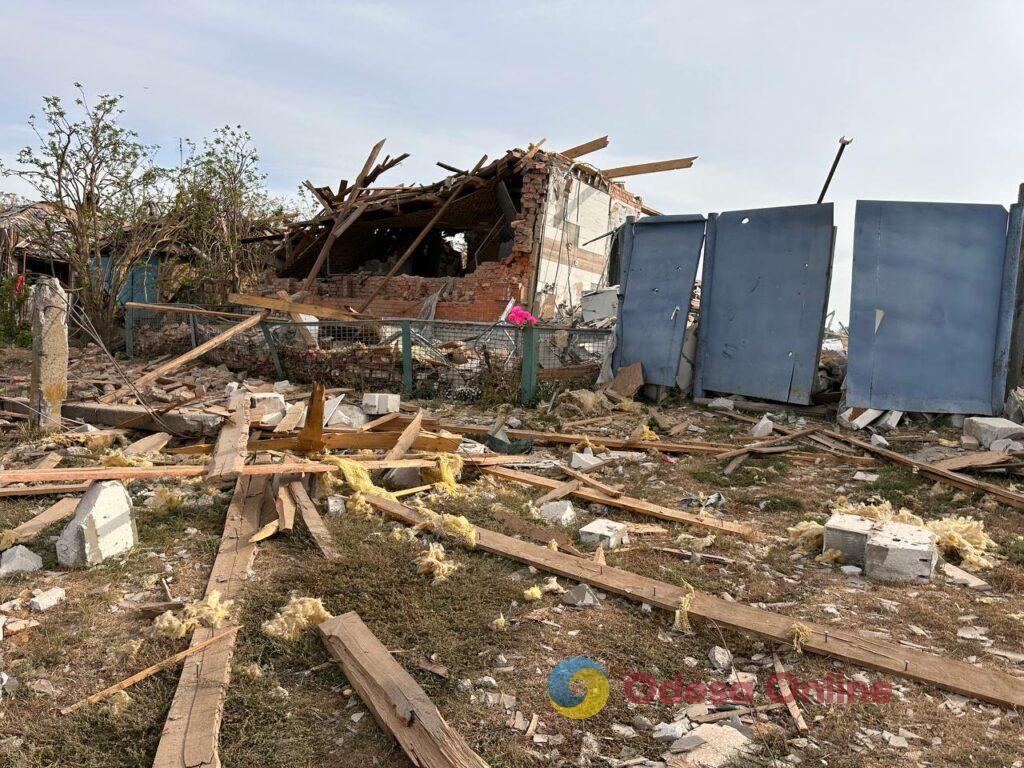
(49, 385)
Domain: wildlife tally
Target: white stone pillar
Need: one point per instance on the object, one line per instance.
(49, 384)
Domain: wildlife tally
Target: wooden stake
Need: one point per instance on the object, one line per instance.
(170, 661)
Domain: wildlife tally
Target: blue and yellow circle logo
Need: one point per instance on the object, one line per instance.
(583, 670)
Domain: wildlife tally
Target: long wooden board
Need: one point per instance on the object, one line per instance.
(292, 418)
(290, 307)
(192, 730)
(58, 511)
(192, 354)
(230, 451)
(396, 700)
(153, 443)
(314, 523)
(83, 474)
(967, 679)
(42, 490)
(655, 167)
(343, 440)
(585, 148)
(628, 503)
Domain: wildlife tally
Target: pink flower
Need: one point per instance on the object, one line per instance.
(519, 316)
(19, 286)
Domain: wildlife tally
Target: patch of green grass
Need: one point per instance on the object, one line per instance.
(896, 483)
(1014, 550)
(781, 504)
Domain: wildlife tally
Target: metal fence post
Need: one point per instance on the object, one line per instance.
(129, 332)
(406, 356)
(193, 330)
(272, 346)
(528, 375)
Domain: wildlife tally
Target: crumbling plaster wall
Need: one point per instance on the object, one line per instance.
(573, 255)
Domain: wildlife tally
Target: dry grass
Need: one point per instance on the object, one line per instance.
(84, 644)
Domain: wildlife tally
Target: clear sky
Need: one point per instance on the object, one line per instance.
(761, 91)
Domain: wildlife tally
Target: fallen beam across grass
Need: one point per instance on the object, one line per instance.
(966, 679)
(628, 503)
(398, 703)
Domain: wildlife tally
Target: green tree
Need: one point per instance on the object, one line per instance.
(221, 197)
(109, 198)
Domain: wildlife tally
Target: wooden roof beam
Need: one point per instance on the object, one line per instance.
(656, 167)
(586, 148)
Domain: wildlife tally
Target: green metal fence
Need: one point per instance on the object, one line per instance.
(437, 358)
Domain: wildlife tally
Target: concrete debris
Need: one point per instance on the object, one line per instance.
(687, 743)
(722, 404)
(986, 429)
(887, 422)
(763, 428)
(583, 460)
(1013, 408)
(669, 731)
(44, 601)
(722, 745)
(103, 526)
(335, 506)
(272, 404)
(381, 403)
(581, 596)
(900, 552)
(560, 512)
(606, 533)
(720, 658)
(866, 477)
(623, 731)
(1006, 445)
(19, 559)
(8, 684)
(960, 577)
(848, 534)
(879, 441)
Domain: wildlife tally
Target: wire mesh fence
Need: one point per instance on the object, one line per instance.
(490, 362)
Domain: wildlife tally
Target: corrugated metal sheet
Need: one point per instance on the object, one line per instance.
(659, 266)
(764, 293)
(932, 306)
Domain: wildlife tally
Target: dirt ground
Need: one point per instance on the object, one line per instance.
(287, 705)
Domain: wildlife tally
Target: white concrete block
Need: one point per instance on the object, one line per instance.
(763, 428)
(381, 403)
(335, 506)
(44, 601)
(900, 552)
(583, 460)
(848, 534)
(271, 402)
(560, 512)
(19, 559)
(988, 428)
(103, 526)
(605, 532)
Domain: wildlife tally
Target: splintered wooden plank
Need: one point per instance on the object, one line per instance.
(290, 307)
(967, 679)
(655, 167)
(172, 365)
(42, 490)
(313, 521)
(396, 700)
(408, 438)
(558, 492)
(611, 490)
(28, 530)
(192, 730)
(311, 438)
(756, 447)
(285, 509)
(347, 440)
(586, 148)
(230, 452)
(153, 443)
(296, 317)
(292, 418)
(625, 502)
(628, 380)
(974, 460)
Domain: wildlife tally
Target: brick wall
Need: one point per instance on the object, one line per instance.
(480, 295)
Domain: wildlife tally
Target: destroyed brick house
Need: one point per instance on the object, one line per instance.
(533, 227)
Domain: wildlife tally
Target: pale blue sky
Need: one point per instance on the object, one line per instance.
(761, 91)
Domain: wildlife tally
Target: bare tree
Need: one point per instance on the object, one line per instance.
(110, 200)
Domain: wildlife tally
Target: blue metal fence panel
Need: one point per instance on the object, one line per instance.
(764, 293)
(932, 306)
(659, 266)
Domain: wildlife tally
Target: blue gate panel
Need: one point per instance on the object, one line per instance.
(659, 266)
(932, 306)
(764, 294)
